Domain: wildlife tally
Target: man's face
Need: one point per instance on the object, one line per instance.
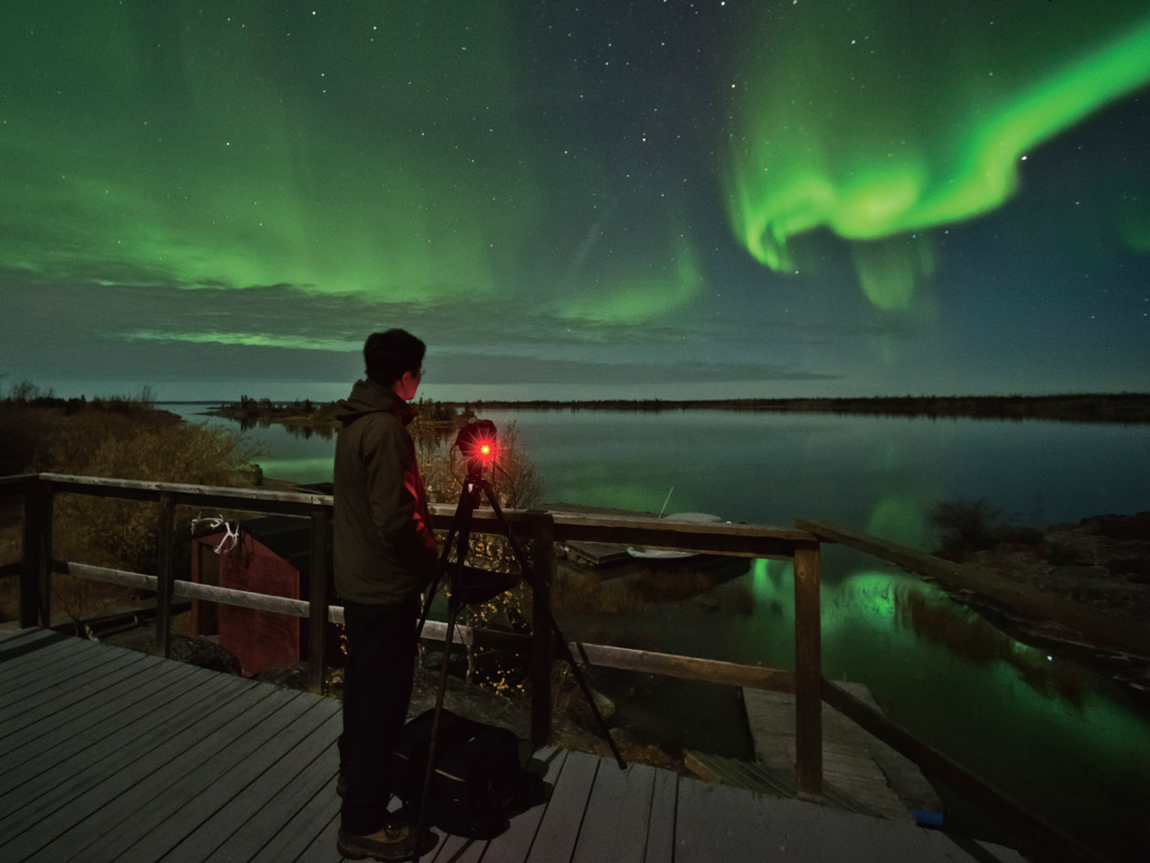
(407, 385)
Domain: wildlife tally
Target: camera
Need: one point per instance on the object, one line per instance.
(478, 443)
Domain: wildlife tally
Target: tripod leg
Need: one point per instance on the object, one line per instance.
(462, 521)
(462, 517)
(576, 672)
(429, 769)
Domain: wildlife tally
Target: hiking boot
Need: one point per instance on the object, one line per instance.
(393, 841)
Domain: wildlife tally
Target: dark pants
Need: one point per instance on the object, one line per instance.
(381, 648)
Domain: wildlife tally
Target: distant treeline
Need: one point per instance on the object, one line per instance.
(1086, 407)
(248, 408)
(27, 395)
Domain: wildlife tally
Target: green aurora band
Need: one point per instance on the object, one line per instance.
(880, 120)
(210, 147)
(358, 149)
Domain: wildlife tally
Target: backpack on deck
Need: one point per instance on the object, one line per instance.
(478, 783)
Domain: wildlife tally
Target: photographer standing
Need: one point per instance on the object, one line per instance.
(384, 555)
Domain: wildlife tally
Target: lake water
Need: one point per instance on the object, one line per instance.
(1058, 737)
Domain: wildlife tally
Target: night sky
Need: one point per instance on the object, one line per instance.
(592, 199)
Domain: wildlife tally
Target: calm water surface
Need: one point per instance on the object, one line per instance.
(1054, 735)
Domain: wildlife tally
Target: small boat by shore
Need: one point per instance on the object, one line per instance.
(670, 554)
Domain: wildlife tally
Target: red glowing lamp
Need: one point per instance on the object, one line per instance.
(478, 443)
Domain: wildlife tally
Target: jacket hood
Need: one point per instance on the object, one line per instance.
(369, 397)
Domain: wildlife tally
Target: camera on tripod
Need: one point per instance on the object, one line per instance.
(478, 443)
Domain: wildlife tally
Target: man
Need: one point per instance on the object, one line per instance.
(384, 555)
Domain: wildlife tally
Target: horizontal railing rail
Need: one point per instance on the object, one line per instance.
(801, 545)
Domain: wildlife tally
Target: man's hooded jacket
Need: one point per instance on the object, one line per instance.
(383, 548)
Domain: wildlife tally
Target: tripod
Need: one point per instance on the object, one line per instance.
(471, 586)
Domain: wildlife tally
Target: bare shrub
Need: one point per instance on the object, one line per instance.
(513, 480)
(966, 525)
(122, 534)
(575, 590)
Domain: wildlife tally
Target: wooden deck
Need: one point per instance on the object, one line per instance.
(108, 754)
(857, 767)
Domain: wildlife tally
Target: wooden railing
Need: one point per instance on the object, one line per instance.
(800, 545)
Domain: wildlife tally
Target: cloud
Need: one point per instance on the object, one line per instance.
(158, 332)
(512, 369)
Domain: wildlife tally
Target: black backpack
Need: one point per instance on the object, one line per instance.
(478, 783)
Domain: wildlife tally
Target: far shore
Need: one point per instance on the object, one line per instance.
(1133, 408)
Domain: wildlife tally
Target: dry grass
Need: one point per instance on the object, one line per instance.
(577, 590)
(116, 439)
(970, 636)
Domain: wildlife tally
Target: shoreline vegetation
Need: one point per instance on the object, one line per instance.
(1124, 408)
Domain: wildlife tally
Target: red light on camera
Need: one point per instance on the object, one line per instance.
(478, 443)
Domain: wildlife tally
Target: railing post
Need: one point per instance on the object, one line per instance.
(164, 573)
(543, 562)
(808, 674)
(36, 567)
(317, 601)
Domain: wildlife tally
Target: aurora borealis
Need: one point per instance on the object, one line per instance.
(702, 199)
(912, 126)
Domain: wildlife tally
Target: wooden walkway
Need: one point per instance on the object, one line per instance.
(107, 754)
(858, 767)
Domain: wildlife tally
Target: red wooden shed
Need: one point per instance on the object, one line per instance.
(263, 555)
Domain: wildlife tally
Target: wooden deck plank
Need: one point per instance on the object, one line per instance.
(283, 807)
(563, 818)
(851, 768)
(42, 792)
(68, 727)
(161, 837)
(514, 845)
(718, 823)
(127, 816)
(838, 835)
(14, 640)
(195, 790)
(307, 825)
(617, 815)
(33, 655)
(41, 715)
(661, 822)
(457, 849)
(761, 828)
(75, 800)
(28, 674)
(123, 708)
(322, 848)
(516, 842)
(205, 842)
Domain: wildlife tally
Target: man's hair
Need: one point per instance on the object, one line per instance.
(388, 355)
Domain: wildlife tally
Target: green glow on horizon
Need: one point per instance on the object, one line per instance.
(877, 128)
(266, 340)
